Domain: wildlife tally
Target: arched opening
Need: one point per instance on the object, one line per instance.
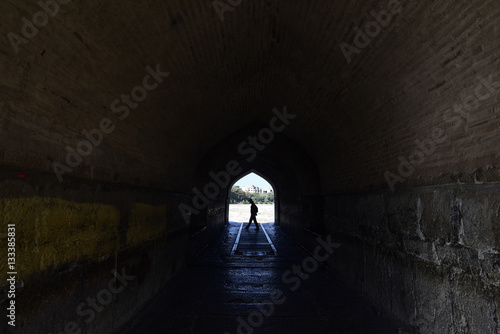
(252, 185)
(284, 164)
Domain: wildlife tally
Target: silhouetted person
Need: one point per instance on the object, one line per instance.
(253, 215)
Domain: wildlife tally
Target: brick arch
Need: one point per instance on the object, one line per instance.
(284, 162)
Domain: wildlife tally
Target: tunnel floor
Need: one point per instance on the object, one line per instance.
(224, 285)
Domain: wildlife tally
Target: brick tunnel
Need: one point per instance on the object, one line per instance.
(123, 125)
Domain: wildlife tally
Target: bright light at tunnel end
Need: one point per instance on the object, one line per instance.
(249, 149)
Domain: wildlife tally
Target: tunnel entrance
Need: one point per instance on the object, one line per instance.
(252, 186)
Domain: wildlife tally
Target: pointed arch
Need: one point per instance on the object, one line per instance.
(266, 178)
(283, 163)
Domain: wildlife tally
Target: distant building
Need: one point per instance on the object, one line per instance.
(256, 190)
(251, 189)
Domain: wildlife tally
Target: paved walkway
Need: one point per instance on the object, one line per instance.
(218, 293)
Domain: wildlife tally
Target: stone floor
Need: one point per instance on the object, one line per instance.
(217, 294)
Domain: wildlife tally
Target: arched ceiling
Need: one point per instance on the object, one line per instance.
(353, 119)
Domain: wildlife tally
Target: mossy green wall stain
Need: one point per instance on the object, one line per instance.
(146, 223)
(52, 232)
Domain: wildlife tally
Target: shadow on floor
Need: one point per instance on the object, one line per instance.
(226, 294)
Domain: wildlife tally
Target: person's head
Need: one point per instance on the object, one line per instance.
(251, 201)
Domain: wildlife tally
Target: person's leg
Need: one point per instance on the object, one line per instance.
(255, 221)
(249, 223)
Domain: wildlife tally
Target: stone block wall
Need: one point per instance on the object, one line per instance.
(426, 257)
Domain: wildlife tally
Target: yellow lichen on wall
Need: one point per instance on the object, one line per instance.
(146, 223)
(52, 232)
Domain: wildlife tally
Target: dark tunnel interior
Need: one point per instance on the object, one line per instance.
(125, 124)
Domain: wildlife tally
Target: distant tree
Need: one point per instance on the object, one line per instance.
(260, 198)
(237, 195)
(269, 198)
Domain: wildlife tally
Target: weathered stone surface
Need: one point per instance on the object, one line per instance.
(426, 256)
